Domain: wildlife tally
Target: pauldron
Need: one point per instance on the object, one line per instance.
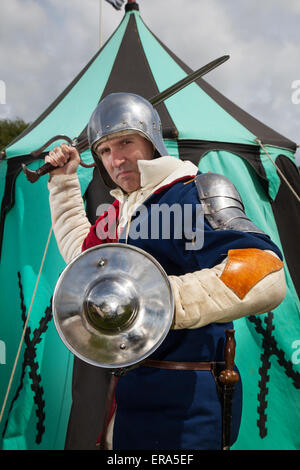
(222, 204)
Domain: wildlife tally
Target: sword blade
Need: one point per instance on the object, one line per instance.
(33, 175)
(155, 100)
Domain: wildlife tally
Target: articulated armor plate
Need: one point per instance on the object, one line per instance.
(222, 204)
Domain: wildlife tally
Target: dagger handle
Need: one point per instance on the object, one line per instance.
(44, 169)
(228, 376)
(34, 175)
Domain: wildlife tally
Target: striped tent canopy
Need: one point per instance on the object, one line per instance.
(201, 125)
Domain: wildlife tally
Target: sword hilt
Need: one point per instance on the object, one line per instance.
(34, 175)
(229, 376)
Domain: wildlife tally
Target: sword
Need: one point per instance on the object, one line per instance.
(228, 378)
(34, 175)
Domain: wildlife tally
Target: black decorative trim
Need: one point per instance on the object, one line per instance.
(285, 209)
(14, 168)
(270, 348)
(30, 361)
(194, 150)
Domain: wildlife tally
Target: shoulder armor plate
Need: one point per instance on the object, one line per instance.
(222, 204)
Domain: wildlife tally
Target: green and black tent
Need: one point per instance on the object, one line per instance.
(201, 125)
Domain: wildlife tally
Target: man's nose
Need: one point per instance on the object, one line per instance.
(117, 157)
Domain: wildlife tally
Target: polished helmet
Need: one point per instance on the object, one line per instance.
(124, 113)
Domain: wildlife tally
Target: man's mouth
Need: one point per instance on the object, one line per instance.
(123, 173)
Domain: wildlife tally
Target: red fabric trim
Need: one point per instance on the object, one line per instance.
(105, 228)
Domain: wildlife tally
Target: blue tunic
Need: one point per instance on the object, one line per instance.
(168, 409)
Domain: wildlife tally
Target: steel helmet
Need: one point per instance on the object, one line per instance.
(124, 113)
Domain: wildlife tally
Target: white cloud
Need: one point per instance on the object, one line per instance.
(45, 43)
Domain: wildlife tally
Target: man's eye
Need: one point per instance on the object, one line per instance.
(103, 151)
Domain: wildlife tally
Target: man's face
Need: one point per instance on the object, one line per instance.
(119, 157)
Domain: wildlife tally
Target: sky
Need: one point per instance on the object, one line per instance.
(45, 43)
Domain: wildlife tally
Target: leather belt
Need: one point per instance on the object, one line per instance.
(179, 365)
(174, 365)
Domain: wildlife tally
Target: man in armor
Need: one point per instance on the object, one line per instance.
(171, 401)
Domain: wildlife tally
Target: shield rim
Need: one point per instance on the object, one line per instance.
(164, 334)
